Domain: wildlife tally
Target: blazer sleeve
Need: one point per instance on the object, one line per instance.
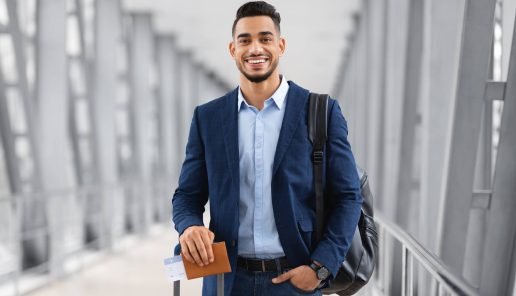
(342, 192)
(191, 194)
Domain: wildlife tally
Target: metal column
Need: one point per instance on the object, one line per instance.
(19, 128)
(82, 123)
(407, 204)
(397, 39)
(440, 63)
(52, 97)
(181, 119)
(498, 274)
(360, 91)
(398, 14)
(142, 49)
(185, 96)
(169, 153)
(108, 35)
(456, 199)
(376, 35)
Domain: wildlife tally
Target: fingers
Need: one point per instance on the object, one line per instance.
(186, 252)
(201, 249)
(196, 244)
(208, 240)
(283, 277)
(194, 252)
(304, 278)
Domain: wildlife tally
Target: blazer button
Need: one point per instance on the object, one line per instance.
(233, 243)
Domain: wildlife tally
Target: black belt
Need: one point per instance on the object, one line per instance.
(270, 265)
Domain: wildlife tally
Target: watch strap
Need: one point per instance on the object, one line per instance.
(314, 267)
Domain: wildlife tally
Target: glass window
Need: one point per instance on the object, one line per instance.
(4, 16)
(73, 45)
(8, 59)
(82, 116)
(497, 68)
(88, 8)
(4, 183)
(16, 111)
(77, 78)
(7, 220)
(25, 163)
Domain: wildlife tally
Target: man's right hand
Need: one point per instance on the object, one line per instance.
(196, 244)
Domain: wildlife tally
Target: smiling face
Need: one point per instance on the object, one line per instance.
(256, 48)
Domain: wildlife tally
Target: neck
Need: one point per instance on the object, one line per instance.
(256, 94)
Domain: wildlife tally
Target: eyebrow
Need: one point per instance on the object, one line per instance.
(247, 35)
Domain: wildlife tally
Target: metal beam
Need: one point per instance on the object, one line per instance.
(482, 183)
(168, 122)
(498, 275)
(481, 199)
(377, 43)
(53, 109)
(195, 83)
(84, 143)
(184, 95)
(462, 142)
(440, 63)
(359, 90)
(405, 202)
(495, 91)
(397, 34)
(108, 35)
(35, 249)
(394, 91)
(169, 152)
(142, 49)
(6, 133)
(379, 185)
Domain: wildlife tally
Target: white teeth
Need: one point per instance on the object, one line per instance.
(256, 61)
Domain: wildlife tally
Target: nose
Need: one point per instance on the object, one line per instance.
(256, 48)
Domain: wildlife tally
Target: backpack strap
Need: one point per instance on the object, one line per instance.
(317, 127)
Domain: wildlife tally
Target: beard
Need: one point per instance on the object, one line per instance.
(258, 78)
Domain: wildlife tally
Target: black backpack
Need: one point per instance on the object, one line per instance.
(357, 269)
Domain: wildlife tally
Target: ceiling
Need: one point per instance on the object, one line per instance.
(315, 34)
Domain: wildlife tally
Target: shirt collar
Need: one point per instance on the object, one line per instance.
(278, 97)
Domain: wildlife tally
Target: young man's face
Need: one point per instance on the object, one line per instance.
(256, 47)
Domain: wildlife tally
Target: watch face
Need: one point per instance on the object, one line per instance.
(323, 273)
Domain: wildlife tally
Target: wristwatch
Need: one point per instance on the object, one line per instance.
(322, 272)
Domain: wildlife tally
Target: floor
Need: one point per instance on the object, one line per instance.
(136, 271)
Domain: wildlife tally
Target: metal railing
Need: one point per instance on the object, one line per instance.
(64, 232)
(422, 273)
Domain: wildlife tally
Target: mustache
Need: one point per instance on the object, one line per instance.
(256, 56)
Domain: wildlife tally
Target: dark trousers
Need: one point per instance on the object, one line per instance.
(251, 283)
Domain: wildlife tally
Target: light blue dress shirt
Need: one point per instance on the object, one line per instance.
(258, 133)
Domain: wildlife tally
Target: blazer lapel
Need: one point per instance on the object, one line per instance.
(296, 103)
(230, 125)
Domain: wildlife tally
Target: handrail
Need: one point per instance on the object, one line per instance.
(442, 273)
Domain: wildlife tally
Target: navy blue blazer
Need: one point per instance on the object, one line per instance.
(211, 170)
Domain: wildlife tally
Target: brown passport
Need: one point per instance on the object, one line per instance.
(220, 263)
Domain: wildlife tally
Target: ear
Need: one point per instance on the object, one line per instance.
(231, 48)
(282, 45)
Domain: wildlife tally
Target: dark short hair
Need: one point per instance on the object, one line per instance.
(257, 8)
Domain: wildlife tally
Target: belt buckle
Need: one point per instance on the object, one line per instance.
(263, 265)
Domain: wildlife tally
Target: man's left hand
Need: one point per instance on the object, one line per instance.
(302, 277)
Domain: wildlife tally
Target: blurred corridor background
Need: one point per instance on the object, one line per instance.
(96, 98)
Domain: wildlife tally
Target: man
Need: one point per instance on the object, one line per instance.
(250, 153)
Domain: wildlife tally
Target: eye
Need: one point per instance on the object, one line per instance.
(243, 41)
(267, 39)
